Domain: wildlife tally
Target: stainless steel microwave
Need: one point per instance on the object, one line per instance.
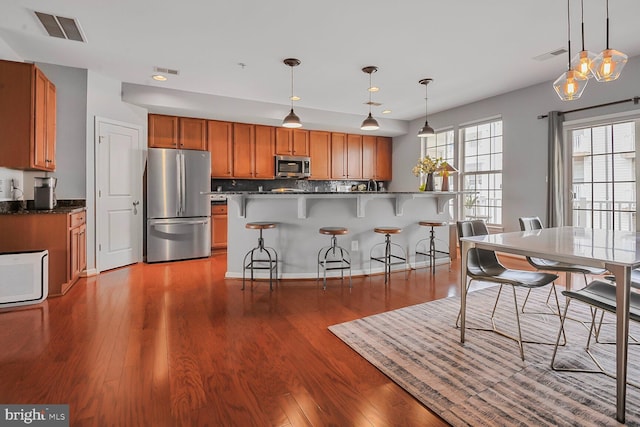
(293, 167)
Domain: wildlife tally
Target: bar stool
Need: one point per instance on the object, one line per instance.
(329, 255)
(269, 263)
(432, 251)
(389, 256)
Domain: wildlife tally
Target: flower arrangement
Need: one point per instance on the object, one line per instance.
(427, 165)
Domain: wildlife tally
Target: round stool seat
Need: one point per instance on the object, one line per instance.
(334, 231)
(260, 225)
(433, 223)
(388, 230)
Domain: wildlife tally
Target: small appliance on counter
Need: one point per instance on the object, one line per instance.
(44, 192)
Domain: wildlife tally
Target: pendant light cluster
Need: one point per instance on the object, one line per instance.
(370, 123)
(292, 120)
(426, 129)
(605, 67)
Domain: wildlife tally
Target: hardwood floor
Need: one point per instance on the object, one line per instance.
(175, 344)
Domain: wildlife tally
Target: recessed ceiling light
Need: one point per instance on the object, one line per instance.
(294, 98)
(159, 77)
(374, 89)
(386, 111)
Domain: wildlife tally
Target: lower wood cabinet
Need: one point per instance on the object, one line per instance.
(62, 234)
(218, 227)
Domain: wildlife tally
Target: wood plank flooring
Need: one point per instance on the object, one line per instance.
(175, 344)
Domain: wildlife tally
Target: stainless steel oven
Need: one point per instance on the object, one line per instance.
(293, 167)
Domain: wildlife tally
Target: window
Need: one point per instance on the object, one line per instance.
(604, 176)
(482, 171)
(442, 145)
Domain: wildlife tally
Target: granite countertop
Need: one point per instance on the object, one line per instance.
(346, 193)
(22, 207)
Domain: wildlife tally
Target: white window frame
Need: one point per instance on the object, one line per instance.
(609, 119)
(463, 173)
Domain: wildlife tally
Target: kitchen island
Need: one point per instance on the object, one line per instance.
(299, 216)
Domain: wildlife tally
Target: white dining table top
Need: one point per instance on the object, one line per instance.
(576, 245)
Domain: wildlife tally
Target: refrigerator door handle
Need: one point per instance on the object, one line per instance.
(183, 184)
(186, 222)
(178, 184)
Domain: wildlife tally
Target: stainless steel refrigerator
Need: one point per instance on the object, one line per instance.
(178, 204)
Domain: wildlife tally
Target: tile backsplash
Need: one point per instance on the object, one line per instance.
(270, 184)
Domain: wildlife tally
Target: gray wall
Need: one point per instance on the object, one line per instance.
(524, 136)
(71, 108)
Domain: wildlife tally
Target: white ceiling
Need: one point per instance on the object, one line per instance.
(472, 49)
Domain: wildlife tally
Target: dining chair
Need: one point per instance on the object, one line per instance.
(599, 295)
(533, 223)
(483, 265)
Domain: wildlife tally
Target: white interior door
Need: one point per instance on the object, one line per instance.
(119, 218)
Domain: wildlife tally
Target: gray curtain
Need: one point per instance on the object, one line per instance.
(556, 187)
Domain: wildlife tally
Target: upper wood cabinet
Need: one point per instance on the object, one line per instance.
(220, 143)
(27, 117)
(264, 163)
(253, 151)
(354, 156)
(177, 132)
(338, 156)
(368, 157)
(384, 153)
(320, 153)
(292, 142)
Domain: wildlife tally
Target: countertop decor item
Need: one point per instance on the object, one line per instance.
(445, 170)
(425, 168)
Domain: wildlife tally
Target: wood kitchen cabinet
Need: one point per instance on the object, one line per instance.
(62, 234)
(384, 153)
(292, 142)
(368, 157)
(218, 227)
(177, 132)
(320, 153)
(338, 156)
(253, 147)
(354, 156)
(27, 117)
(220, 143)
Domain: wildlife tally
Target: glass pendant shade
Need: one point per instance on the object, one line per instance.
(426, 130)
(570, 85)
(369, 123)
(582, 63)
(608, 65)
(291, 121)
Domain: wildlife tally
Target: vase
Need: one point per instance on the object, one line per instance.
(429, 184)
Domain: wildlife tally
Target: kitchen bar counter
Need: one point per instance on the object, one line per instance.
(299, 216)
(361, 198)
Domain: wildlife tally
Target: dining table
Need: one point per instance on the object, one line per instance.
(615, 250)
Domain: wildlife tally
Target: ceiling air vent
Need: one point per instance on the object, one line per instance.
(166, 71)
(550, 55)
(61, 27)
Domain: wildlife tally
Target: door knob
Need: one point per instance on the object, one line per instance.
(135, 207)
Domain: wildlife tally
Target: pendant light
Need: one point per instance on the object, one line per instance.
(609, 64)
(370, 123)
(292, 121)
(571, 84)
(582, 62)
(426, 129)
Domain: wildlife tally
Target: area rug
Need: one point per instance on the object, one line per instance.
(484, 381)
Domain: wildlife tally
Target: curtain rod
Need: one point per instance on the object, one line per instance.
(635, 100)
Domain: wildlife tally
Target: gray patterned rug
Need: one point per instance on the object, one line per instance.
(484, 381)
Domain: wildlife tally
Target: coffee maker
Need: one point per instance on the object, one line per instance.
(44, 192)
